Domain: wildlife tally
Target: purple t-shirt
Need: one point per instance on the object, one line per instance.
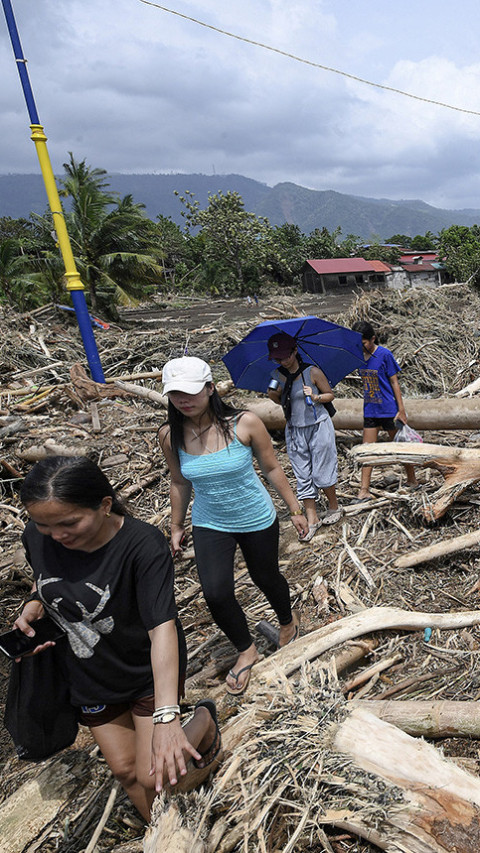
(378, 397)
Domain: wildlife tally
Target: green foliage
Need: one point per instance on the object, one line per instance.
(112, 240)
(401, 240)
(427, 242)
(21, 285)
(379, 252)
(459, 249)
(234, 250)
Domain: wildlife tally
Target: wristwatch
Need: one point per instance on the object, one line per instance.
(167, 717)
(166, 714)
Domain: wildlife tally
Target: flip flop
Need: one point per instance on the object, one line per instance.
(236, 675)
(296, 633)
(361, 500)
(211, 753)
(332, 516)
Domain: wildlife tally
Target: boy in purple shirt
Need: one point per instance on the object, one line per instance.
(382, 400)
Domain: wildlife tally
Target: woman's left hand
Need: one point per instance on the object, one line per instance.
(307, 390)
(169, 743)
(301, 524)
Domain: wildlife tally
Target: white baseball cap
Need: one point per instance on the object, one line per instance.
(187, 374)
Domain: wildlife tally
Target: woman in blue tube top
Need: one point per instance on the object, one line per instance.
(210, 446)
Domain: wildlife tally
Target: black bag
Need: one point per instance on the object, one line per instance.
(38, 714)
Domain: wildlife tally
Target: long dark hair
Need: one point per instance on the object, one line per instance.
(220, 412)
(69, 479)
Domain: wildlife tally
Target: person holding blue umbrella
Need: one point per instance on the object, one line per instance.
(304, 393)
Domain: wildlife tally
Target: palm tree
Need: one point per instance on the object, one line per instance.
(20, 284)
(112, 240)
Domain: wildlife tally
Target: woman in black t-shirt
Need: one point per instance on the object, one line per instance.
(107, 579)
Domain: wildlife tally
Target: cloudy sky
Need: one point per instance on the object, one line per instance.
(134, 88)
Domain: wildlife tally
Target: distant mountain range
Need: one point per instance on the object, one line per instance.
(286, 202)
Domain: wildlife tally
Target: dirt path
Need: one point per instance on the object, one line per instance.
(198, 312)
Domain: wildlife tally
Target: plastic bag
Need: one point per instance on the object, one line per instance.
(406, 433)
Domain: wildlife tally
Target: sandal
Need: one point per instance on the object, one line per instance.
(332, 516)
(312, 529)
(211, 753)
(361, 500)
(237, 691)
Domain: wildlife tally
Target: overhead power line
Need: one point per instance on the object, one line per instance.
(309, 62)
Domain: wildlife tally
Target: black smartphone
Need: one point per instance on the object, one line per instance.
(15, 643)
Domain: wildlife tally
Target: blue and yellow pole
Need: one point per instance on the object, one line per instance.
(74, 284)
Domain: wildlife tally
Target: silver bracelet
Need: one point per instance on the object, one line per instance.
(165, 714)
(165, 708)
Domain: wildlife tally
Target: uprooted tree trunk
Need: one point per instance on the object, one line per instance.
(302, 728)
(459, 466)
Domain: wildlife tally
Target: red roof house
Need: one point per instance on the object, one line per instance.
(335, 274)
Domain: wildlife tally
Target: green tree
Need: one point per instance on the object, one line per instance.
(286, 253)
(22, 284)
(378, 252)
(178, 252)
(426, 243)
(321, 243)
(235, 249)
(459, 249)
(112, 240)
(401, 240)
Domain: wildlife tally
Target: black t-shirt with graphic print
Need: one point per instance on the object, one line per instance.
(106, 601)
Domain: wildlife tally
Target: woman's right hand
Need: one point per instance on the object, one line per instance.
(177, 540)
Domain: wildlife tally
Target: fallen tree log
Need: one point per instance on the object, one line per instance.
(440, 549)
(438, 803)
(426, 718)
(439, 414)
(459, 466)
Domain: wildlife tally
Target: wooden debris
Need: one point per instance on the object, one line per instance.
(459, 466)
(264, 816)
(438, 550)
(438, 414)
(35, 804)
(428, 719)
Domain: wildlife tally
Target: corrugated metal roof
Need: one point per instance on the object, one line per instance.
(380, 266)
(425, 267)
(340, 266)
(406, 257)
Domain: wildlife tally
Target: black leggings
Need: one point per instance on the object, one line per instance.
(214, 553)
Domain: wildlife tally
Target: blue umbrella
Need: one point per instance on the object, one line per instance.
(335, 349)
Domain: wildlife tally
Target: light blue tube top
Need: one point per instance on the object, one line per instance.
(229, 495)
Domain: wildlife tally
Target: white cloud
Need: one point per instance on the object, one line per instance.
(132, 88)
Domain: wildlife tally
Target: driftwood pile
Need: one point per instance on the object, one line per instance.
(299, 770)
